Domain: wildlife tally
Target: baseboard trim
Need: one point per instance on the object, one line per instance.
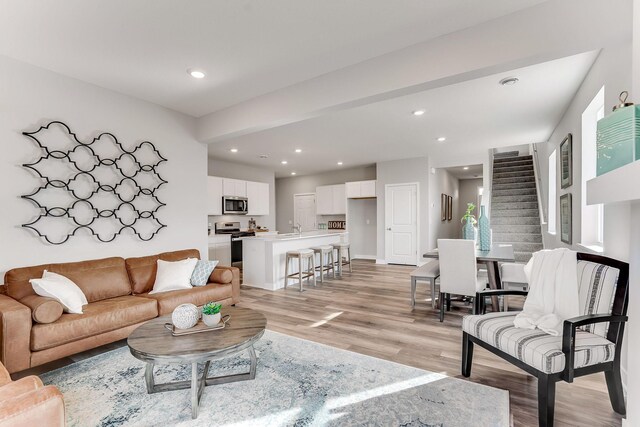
(380, 261)
(371, 257)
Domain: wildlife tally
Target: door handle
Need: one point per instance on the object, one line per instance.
(388, 228)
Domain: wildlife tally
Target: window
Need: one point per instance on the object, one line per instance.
(592, 215)
(551, 216)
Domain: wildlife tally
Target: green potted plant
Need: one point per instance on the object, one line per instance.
(211, 313)
(469, 221)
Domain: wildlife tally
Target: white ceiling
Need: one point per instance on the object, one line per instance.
(472, 171)
(474, 116)
(247, 47)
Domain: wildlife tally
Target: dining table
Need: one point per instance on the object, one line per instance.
(499, 252)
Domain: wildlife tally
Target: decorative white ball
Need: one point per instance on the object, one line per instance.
(185, 316)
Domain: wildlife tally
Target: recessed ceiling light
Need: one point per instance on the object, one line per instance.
(195, 73)
(284, 162)
(466, 167)
(509, 81)
(339, 163)
(234, 150)
(293, 173)
(298, 150)
(418, 112)
(442, 139)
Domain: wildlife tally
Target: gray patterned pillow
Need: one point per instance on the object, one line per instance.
(201, 273)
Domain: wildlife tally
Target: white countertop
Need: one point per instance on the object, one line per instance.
(296, 236)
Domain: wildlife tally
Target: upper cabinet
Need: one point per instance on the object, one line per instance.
(214, 195)
(361, 189)
(258, 195)
(234, 187)
(330, 200)
(256, 192)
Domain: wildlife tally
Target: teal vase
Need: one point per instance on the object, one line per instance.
(618, 139)
(468, 232)
(484, 229)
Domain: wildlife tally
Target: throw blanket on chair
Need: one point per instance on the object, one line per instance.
(553, 291)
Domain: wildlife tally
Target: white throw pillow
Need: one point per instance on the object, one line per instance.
(62, 289)
(172, 276)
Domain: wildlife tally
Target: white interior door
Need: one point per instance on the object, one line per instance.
(304, 211)
(401, 223)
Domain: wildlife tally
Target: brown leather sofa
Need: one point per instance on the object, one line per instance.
(27, 402)
(34, 331)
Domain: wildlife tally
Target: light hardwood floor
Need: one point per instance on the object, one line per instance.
(369, 312)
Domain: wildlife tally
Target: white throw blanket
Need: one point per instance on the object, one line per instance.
(553, 291)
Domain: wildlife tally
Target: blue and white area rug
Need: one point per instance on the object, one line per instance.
(298, 383)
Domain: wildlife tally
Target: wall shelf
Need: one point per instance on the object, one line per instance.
(620, 185)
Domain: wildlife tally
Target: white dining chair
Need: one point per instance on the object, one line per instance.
(513, 277)
(458, 271)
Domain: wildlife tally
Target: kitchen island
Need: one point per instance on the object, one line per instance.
(263, 257)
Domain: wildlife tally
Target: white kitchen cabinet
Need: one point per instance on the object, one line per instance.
(234, 187)
(330, 200)
(361, 189)
(220, 249)
(214, 195)
(324, 200)
(258, 195)
(368, 188)
(352, 190)
(339, 200)
(263, 198)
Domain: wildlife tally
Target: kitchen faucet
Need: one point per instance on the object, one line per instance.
(298, 228)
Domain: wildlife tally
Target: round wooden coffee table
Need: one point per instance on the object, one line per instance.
(154, 344)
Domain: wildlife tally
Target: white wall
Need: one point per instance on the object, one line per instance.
(287, 187)
(613, 70)
(443, 182)
(633, 331)
(362, 226)
(33, 96)
(401, 172)
(226, 169)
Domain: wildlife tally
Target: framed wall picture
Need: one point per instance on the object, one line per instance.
(449, 208)
(565, 218)
(566, 162)
(443, 207)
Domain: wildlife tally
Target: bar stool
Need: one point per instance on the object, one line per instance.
(344, 251)
(326, 253)
(300, 255)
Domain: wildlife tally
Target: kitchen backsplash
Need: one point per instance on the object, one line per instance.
(242, 219)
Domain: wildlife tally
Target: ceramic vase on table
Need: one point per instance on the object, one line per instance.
(484, 229)
(211, 319)
(468, 230)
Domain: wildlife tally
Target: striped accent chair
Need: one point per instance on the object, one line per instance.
(590, 343)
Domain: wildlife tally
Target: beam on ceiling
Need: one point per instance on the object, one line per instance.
(549, 31)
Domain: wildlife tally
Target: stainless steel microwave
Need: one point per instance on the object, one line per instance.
(232, 205)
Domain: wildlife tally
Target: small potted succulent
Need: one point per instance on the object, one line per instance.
(469, 221)
(211, 313)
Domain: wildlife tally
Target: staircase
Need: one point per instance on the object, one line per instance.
(515, 218)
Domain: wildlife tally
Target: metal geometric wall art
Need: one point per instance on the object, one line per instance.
(96, 186)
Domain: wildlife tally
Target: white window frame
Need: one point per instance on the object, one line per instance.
(592, 223)
(553, 186)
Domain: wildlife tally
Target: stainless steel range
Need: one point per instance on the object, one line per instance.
(233, 228)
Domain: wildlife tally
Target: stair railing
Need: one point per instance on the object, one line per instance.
(542, 209)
